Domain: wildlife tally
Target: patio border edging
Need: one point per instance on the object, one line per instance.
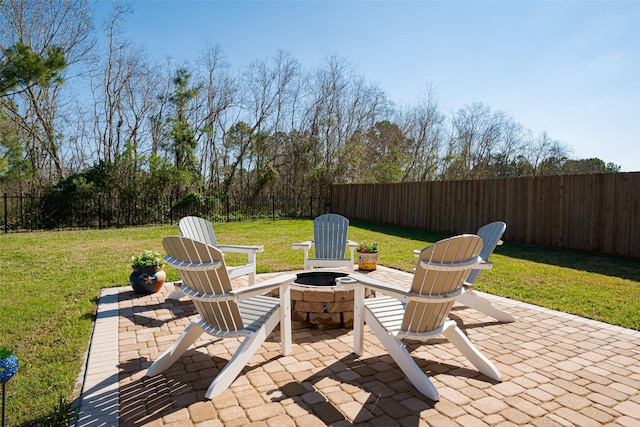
(99, 399)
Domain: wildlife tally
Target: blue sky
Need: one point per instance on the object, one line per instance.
(571, 68)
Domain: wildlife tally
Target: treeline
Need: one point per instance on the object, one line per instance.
(82, 109)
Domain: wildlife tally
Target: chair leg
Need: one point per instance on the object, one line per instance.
(473, 300)
(306, 259)
(285, 319)
(245, 351)
(399, 353)
(462, 343)
(184, 341)
(353, 264)
(251, 260)
(358, 320)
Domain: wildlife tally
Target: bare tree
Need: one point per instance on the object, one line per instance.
(423, 123)
(111, 87)
(265, 99)
(343, 105)
(219, 95)
(288, 149)
(477, 134)
(547, 155)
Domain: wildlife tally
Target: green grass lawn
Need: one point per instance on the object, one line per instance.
(50, 282)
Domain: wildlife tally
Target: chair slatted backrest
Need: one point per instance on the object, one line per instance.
(198, 229)
(330, 236)
(202, 269)
(441, 270)
(491, 235)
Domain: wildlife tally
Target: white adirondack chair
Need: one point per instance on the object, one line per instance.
(330, 240)
(422, 312)
(224, 312)
(491, 235)
(202, 230)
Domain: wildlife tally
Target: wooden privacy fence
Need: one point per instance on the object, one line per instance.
(597, 213)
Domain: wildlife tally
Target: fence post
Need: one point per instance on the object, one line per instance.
(227, 206)
(171, 210)
(273, 207)
(99, 212)
(6, 214)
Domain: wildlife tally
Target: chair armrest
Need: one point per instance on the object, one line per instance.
(484, 265)
(241, 248)
(392, 291)
(352, 249)
(262, 287)
(241, 294)
(302, 245)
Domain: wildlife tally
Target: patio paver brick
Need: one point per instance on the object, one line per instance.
(558, 369)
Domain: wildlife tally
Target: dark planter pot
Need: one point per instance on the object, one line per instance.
(8, 368)
(147, 280)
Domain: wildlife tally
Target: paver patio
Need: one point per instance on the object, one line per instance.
(559, 370)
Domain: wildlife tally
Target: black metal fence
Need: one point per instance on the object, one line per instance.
(29, 213)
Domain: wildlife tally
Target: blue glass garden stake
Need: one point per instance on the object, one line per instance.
(8, 368)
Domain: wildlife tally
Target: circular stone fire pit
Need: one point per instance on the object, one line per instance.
(316, 301)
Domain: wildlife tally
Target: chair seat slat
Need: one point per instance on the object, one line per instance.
(389, 311)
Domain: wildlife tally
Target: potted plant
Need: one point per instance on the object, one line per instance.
(147, 276)
(367, 255)
(8, 364)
